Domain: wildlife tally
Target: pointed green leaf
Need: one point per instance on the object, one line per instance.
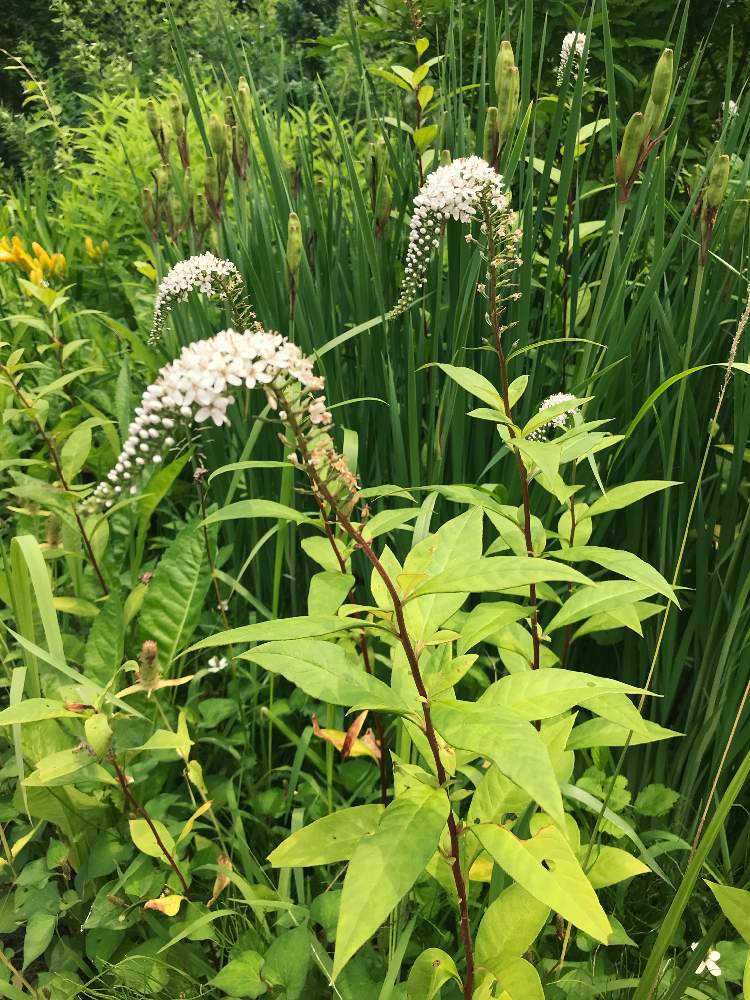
(329, 839)
(384, 868)
(621, 562)
(498, 574)
(327, 672)
(559, 884)
(542, 694)
(508, 741)
(597, 599)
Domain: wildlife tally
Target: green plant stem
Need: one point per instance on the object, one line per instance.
(601, 293)
(697, 289)
(719, 769)
(52, 450)
(17, 975)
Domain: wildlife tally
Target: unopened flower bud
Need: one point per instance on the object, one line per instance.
(491, 136)
(217, 135)
(718, 179)
(243, 99)
(737, 227)
(150, 214)
(630, 148)
(293, 246)
(176, 114)
(53, 531)
(149, 663)
(161, 175)
(153, 120)
(504, 64)
(229, 116)
(384, 200)
(661, 85)
(445, 158)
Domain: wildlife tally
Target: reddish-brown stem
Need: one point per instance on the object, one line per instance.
(138, 808)
(60, 475)
(403, 636)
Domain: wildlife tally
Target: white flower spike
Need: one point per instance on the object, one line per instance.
(572, 48)
(197, 387)
(205, 273)
(454, 191)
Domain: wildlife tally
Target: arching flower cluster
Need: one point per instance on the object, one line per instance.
(572, 48)
(559, 420)
(197, 387)
(204, 273)
(455, 191)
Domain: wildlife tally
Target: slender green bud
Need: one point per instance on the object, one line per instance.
(293, 245)
(491, 134)
(150, 214)
(371, 166)
(718, 180)
(161, 175)
(200, 210)
(737, 228)
(188, 186)
(217, 135)
(632, 140)
(661, 85)
(445, 158)
(508, 113)
(150, 671)
(381, 156)
(229, 116)
(504, 64)
(243, 99)
(176, 114)
(662, 81)
(153, 120)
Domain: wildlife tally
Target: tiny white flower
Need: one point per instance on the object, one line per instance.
(710, 963)
(559, 420)
(217, 663)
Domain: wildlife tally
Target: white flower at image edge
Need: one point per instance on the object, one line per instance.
(709, 964)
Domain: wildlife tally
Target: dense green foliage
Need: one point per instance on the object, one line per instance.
(493, 598)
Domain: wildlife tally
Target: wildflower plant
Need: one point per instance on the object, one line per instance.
(466, 767)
